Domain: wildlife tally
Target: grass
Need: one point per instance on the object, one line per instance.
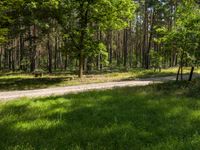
(20, 81)
(156, 117)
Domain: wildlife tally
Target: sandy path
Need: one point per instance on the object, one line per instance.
(12, 95)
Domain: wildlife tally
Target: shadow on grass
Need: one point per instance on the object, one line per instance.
(153, 117)
(28, 83)
(152, 76)
(19, 81)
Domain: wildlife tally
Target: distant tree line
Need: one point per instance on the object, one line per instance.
(88, 35)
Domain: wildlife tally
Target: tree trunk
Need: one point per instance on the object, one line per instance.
(83, 24)
(110, 45)
(125, 47)
(10, 59)
(177, 76)
(32, 44)
(191, 73)
(56, 54)
(181, 72)
(145, 34)
(66, 61)
(81, 63)
(1, 52)
(49, 47)
(21, 47)
(150, 40)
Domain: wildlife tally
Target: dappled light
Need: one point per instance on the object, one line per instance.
(104, 119)
(14, 81)
(99, 74)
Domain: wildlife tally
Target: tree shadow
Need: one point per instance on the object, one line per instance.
(123, 118)
(28, 83)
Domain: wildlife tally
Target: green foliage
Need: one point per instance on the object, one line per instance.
(148, 118)
(156, 58)
(102, 51)
(88, 17)
(3, 33)
(161, 35)
(81, 27)
(3, 19)
(184, 38)
(113, 14)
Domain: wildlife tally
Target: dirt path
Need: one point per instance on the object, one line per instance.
(7, 96)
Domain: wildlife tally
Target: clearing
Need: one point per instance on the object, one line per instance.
(160, 116)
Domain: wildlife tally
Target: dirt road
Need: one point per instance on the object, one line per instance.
(12, 95)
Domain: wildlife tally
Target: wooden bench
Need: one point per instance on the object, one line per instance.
(37, 74)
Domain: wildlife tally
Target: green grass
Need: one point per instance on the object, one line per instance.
(20, 81)
(156, 117)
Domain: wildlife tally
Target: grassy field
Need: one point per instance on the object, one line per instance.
(155, 117)
(20, 81)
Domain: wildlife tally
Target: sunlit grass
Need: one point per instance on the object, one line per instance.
(154, 117)
(20, 81)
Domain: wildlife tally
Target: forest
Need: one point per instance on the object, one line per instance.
(95, 35)
(99, 74)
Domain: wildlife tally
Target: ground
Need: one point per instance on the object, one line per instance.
(20, 81)
(154, 117)
(18, 86)
(13, 95)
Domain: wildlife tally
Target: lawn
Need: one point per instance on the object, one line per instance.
(20, 81)
(156, 117)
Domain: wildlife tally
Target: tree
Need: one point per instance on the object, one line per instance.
(4, 20)
(83, 35)
(185, 36)
(86, 17)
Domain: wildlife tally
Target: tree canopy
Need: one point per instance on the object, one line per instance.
(85, 35)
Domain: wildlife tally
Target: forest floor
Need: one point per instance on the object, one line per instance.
(55, 91)
(153, 117)
(20, 81)
(5, 96)
(18, 85)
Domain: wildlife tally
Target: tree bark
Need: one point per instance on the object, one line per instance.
(21, 47)
(110, 45)
(145, 34)
(81, 63)
(83, 24)
(125, 47)
(191, 73)
(56, 54)
(49, 47)
(150, 41)
(32, 44)
(177, 76)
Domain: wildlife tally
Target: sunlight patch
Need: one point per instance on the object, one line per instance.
(176, 111)
(36, 124)
(195, 115)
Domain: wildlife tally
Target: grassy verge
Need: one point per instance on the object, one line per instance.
(14, 81)
(155, 117)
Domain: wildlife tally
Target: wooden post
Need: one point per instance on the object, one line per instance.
(191, 73)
